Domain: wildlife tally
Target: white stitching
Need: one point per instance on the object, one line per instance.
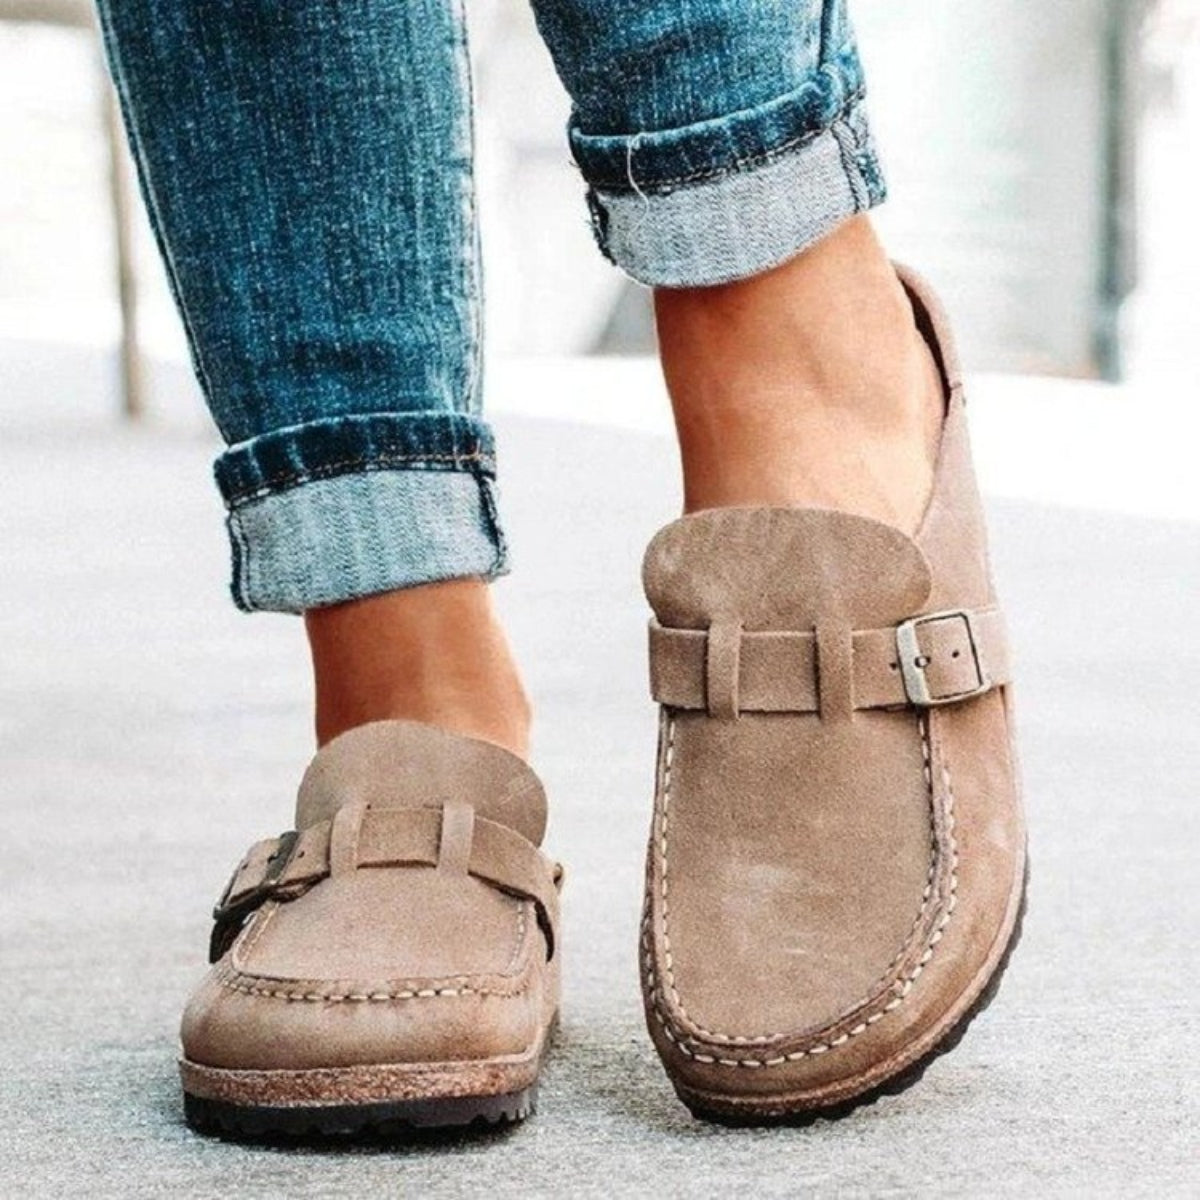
(905, 986)
(522, 905)
(252, 933)
(342, 997)
(237, 981)
(233, 978)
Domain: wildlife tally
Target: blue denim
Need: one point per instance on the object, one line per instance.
(307, 168)
(717, 137)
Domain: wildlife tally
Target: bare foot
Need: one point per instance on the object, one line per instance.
(434, 653)
(807, 385)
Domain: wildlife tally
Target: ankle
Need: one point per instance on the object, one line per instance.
(808, 385)
(434, 653)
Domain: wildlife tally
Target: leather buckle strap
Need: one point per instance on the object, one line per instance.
(913, 662)
(286, 867)
(927, 661)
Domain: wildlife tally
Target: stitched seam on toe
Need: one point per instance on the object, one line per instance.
(866, 1020)
(248, 983)
(257, 985)
(252, 984)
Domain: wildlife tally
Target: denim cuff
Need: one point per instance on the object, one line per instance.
(345, 507)
(730, 197)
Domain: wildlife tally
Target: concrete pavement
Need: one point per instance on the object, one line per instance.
(149, 733)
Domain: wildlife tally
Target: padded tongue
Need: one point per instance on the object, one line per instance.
(783, 568)
(405, 764)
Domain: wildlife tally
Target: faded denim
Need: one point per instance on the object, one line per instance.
(308, 171)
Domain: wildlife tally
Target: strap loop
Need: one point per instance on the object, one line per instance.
(457, 834)
(722, 667)
(835, 671)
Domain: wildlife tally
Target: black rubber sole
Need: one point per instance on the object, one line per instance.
(899, 1082)
(400, 1120)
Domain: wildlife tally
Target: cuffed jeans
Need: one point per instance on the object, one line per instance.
(307, 168)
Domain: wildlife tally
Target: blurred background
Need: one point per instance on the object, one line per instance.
(1041, 158)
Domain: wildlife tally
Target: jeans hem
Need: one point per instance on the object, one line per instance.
(746, 220)
(661, 160)
(347, 507)
(350, 444)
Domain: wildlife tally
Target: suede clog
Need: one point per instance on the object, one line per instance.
(836, 864)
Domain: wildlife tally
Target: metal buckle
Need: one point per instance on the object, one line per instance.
(228, 918)
(913, 663)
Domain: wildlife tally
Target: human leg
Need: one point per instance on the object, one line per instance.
(308, 172)
(727, 151)
(391, 961)
(806, 384)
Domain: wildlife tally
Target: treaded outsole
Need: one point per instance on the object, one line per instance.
(897, 1083)
(392, 1121)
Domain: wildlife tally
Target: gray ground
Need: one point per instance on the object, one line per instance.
(148, 733)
